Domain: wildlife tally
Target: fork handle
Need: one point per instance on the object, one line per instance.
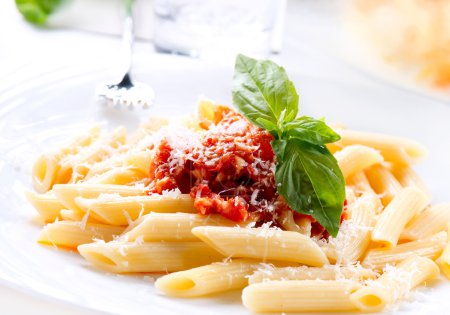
(128, 36)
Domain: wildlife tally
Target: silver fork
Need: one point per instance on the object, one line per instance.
(126, 93)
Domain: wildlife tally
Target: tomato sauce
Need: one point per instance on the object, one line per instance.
(230, 171)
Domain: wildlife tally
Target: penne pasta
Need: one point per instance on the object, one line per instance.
(354, 237)
(444, 260)
(430, 221)
(356, 158)
(139, 161)
(67, 193)
(130, 160)
(304, 225)
(46, 168)
(407, 177)
(383, 183)
(173, 227)
(209, 279)
(394, 283)
(287, 222)
(262, 243)
(119, 257)
(70, 234)
(397, 214)
(360, 183)
(135, 160)
(116, 210)
(394, 149)
(46, 205)
(76, 166)
(430, 247)
(73, 215)
(300, 296)
(327, 272)
(333, 147)
(205, 112)
(118, 176)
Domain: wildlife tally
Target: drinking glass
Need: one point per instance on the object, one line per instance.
(218, 28)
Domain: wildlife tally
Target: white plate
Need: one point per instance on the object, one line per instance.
(46, 108)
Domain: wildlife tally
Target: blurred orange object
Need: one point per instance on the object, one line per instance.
(414, 34)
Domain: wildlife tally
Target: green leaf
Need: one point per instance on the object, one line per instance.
(310, 130)
(307, 174)
(266, 124)
(309, 179)
(279, 147)
(37, 11)
(262, 89)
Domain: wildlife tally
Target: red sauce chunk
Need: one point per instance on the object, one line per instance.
(228, 169)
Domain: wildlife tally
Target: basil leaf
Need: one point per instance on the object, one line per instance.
(37, 11)
(268, 125)
(262, 89)
(309, 179)
(307, 174)
(278, 147)
(310, 130)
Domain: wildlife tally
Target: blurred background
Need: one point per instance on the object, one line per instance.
(400, 42)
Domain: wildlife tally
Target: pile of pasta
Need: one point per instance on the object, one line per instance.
(92, 195)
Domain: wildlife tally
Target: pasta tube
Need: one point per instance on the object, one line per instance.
(119, 257)
(174, 227)
(46, 205)
(397, 214)
(287, 221)
(72, 215)
(300, 296)
(136, 160)
(67, 193)
(394, 149)
(46, 168)
(360, 183)
(118, 176)
(407, 177)
(70, 234)
(304, 225)
(383, 182)
(354, 237)
(444, 260)
(430, 247)
(394, 283)
(44, 172)
(430, 221)
(356, 158)
(75, 167)
(327, 272)
(262, 243)
(205, 280)
(115, 210)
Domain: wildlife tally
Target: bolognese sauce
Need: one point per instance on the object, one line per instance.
(228, 170)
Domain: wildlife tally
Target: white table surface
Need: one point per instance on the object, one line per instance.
(309, 28)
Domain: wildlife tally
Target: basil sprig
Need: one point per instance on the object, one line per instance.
(307, 174)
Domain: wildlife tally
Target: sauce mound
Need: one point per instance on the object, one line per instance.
(228, 169)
